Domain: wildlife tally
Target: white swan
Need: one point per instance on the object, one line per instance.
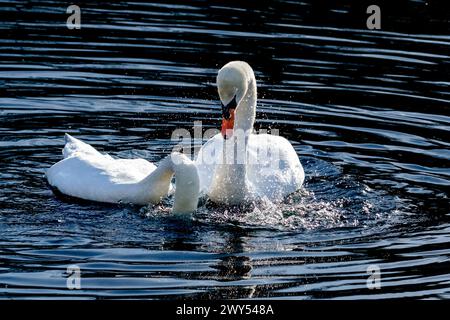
(244, 166)
(87, 174)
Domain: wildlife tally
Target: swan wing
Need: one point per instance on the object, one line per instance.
(274, 169)
(207, 159)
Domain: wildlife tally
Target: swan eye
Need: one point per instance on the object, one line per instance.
(226, 108)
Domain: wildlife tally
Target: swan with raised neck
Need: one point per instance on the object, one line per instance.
(236, 83)
(232, 178)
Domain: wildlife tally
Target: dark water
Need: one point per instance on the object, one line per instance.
(367, 112)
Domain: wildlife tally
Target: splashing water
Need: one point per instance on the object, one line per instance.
(344, 203)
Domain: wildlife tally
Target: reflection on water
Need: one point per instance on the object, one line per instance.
(367, 112)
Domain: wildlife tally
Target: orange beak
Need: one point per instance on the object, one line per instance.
(227, 125)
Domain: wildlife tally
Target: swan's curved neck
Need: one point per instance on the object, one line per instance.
(230, 183)
(187, 185)
(246, 110)
(244, 121)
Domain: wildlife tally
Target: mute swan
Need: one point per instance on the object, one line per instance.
(87, 174)
(236, 166)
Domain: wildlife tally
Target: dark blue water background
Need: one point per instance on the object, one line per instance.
(366, 110)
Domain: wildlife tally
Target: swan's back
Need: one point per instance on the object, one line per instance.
(87, 174)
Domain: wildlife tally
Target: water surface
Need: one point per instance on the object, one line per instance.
(367, 112)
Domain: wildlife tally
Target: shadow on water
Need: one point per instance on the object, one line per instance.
(366, 110)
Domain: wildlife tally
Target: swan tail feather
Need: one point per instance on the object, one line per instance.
(76, 146)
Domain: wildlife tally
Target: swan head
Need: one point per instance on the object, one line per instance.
(232, 83)
(187, 184)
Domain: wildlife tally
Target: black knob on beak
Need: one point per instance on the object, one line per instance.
(226, 109)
